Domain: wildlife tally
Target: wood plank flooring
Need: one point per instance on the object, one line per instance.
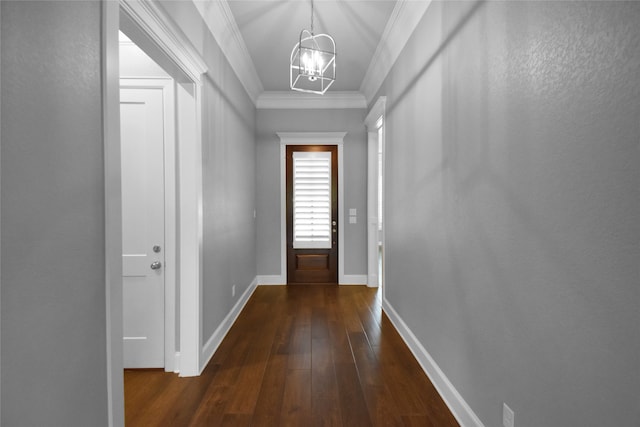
(297, 356)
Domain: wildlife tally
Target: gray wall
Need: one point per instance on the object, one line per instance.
(228, 139)
(268, 187)
(53, 274)
(513, 205)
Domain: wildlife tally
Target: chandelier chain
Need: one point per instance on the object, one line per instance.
(312, 33)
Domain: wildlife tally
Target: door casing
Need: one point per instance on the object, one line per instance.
(169, 48)
(311, 138)
(374, 121)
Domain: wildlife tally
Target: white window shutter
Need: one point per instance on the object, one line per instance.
(311, 200)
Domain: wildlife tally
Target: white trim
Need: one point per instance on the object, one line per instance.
(219, 19)
(107, 299)
(372, 207)
(176, 362)
(374, 121)
(113, 210)
(375, 112)
(159, 27)
(355, 279)
(190, 225)
(297, 100)
(403, 21)
(271, 280)
(170, 231)
(459, 408)
(311, 138)
(166, 84)
(145, 77)
(225, 326)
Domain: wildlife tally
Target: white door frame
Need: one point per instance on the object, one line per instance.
(166, 85)
(158, 30)
(310, 138)
(374, 121)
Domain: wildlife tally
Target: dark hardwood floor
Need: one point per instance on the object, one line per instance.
(297, 356)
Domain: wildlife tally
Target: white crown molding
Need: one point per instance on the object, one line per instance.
(156, 24)
(315, 138)
(297, 100)
(403, 21)
(219, 19)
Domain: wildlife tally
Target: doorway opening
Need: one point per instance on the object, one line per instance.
(146, 24)
(147, 137)
(314, 139)
(174, 54)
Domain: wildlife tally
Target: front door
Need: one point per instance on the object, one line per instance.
(312, 214)
(142, 140)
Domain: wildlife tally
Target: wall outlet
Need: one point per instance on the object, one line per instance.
(507, 416)
(233, 290)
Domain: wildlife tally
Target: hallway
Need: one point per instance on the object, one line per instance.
(297, 356)
(511, 162)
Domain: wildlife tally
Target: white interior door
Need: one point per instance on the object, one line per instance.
(142, 139)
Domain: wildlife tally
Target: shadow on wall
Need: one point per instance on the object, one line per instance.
(229, 102)
(430, 60)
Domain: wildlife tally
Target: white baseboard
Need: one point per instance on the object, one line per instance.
(271, 280)
(459, 408)
(354, 279)
(372, 281)
(176, 363)
(216, 338)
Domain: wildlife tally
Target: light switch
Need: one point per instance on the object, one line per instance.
(352, 212)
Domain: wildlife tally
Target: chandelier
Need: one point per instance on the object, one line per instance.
(312, 67)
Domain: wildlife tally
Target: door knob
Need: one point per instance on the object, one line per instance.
(156, 265)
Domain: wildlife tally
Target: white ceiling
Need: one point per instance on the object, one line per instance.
(257, 36)
(270, 29)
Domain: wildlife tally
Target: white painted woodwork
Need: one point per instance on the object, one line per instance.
(189, 155)
(288, 100)
(154, 23)
(142, 148)
(375, 194)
